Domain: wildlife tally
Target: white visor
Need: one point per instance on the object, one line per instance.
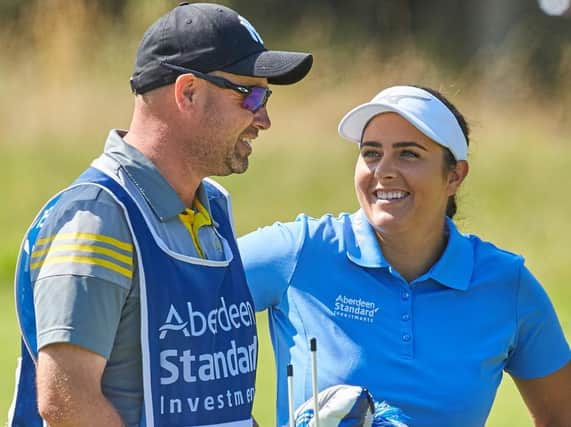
(419, 107)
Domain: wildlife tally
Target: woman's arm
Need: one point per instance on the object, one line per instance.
(269, 256)
(548, 398)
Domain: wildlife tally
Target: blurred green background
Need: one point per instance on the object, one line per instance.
(64, 69)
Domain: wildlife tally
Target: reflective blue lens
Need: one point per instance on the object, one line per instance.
(257, 98)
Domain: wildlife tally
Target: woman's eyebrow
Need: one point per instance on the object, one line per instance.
(401, 144)
(409, 144)
(371, 144)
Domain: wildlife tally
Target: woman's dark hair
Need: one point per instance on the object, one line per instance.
(449, 160)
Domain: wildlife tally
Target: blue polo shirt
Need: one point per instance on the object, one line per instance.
(435, 347)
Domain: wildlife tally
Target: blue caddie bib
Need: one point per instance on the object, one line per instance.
(198, 332)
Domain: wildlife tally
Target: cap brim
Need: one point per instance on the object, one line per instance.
(279, 67)
(352, 125)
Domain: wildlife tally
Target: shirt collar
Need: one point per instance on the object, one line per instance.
(362, 245)
(453, 269)
(161, 197)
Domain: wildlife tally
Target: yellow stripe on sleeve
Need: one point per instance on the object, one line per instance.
(84, 260)
(87, 236)
(128, 260)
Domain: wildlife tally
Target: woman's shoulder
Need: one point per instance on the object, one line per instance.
(325, 227)
(302, 228)
(281, 241)
(487, 253)
(327, 219)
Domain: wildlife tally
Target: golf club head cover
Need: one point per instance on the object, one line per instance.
(349, 406)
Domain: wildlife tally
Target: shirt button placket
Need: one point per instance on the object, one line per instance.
(406, 323)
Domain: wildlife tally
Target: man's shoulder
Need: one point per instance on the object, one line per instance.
(85, 234)
(84, 192)
(86, 206)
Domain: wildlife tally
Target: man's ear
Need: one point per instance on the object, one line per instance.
(186, 87)
(456, 176)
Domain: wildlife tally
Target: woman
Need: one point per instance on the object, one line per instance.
(400, 302)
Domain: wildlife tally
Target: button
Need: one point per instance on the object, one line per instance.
(405, 317)
(405, 295)
(406, 337)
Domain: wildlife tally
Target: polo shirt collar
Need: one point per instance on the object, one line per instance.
(362, 245)
(161, 197)
(453, 269)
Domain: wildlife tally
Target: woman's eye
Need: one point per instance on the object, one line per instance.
(409, 153)
(370, 154)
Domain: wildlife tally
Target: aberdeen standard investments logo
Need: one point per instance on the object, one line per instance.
(355, 309)
(225, 367)
(192, 322)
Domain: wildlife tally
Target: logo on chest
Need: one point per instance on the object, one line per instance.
(355, 309)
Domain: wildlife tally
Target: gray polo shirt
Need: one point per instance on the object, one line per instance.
(84, 271)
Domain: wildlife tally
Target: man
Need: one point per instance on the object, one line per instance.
(130, 291)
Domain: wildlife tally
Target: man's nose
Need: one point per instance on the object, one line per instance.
(262, 119)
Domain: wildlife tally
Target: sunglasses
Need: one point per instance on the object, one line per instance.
(255, 97)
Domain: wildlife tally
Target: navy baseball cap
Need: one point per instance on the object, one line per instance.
(208, 37)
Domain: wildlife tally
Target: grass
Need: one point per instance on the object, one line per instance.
(510, 198)
(514, 196)
(9, 338)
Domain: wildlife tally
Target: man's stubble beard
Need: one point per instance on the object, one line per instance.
(224, 159)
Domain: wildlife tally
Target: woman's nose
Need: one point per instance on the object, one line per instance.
(385, 168)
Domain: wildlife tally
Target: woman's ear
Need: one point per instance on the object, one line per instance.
(456, 176)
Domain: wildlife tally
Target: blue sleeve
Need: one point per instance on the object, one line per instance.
(541, 347)
(270, 255)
